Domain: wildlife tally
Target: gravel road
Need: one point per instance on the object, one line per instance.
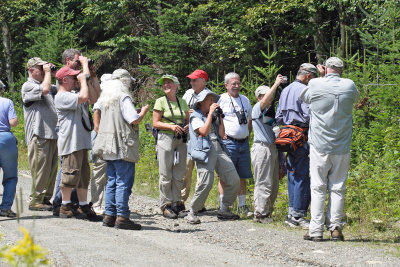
(164, 242)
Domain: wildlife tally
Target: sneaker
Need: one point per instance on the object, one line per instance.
(192, 218)
(89, 212)
(169, 213)
(262, 219)
(313, 238)
(300, 222)
(7, 213)
(126, 224)
(109, 220)
(179, 209)
(40, 207)
(245, 212)
(337, 235)
(227, 215)
(99, 210)
(67, 211)
(202, 210)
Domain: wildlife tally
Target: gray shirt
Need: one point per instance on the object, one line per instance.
(191, 97)
(39, 111)
(331, 100)
(72, 135)
(262, 125)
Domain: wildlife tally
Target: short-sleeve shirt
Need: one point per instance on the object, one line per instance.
(39, 111)
(162, 105)
(261, 125)
(198, 123)
(231, 121)
(72, 135)
(7, 112)
(128, 110)
(191, 97)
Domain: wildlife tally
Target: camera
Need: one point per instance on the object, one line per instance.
(218, 112)
(284, 79)
(53, 68)
(241, 115)
(183, 135)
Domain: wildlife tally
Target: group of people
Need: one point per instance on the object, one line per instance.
(200, 129)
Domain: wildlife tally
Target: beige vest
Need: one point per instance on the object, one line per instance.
(116, 136)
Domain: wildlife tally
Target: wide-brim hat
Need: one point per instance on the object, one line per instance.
(203, 94)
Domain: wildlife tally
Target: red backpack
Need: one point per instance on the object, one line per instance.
(290, 138)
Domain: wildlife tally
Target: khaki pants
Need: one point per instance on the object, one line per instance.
(264, 158)
(328, 173)
(98, 181)
(43, 160)
(187, 179)
(171, 176)
(219, 161)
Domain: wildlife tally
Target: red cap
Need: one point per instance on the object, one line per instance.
(198, 74)
(65, 71)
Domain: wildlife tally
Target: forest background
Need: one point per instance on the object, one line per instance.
(257, 39)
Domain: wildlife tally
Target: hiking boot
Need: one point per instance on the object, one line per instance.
(262, 219)
(67, 211)
(169, 213)
(313, 238)
(40, 207)
(7, 213)
(337, 235)
(227, 215)
(192, 218)
(89, 212)
(179, 209)
(202, 210)
(109, 220)
(244, 211)
(47, 202)
(297, 223)
(126, 224)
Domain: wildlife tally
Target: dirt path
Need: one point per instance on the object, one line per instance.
(164, 242)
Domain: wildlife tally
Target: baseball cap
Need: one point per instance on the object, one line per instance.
(35, 61)
(309, 67)
(261, 90)
(334, 62)
(170, 77)
(198, 74)
(121, 74)
(65, 71)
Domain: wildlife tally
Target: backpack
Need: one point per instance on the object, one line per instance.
(290, 138)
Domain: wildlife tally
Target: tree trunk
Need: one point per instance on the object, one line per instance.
(7, 51)
(319, 39)
(342, 30)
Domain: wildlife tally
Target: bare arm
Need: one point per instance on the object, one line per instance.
(83, 95)
(46, 83)
(96, 120)
(13, 122)
(94, 86)
(269, 96)
(157, 123)
(142, 113)
(205, 129)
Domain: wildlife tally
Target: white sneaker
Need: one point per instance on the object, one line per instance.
(192, 218)
(99, 210)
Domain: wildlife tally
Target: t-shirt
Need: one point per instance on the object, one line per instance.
(191, 97)
(162, 105)
(231, 121)
(262, 126)
(197, 123)
(72, 135)
(7, 112)
(39, 111)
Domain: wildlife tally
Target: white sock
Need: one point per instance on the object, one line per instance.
(220, 200)
(65, 202)
(83, 203)
(242, 200)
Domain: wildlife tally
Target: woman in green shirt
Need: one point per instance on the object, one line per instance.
(170, 117)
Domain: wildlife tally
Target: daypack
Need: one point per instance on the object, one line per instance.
(290, 138)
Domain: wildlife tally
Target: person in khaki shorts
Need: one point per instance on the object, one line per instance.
(74, 139)
(170, 117)
(207, 150)
(40, 132)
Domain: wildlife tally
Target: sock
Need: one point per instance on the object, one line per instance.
(242, 200)
(220, 200)
(83, 203)
(65, 202)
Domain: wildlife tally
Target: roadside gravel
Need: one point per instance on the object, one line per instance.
(163, 242)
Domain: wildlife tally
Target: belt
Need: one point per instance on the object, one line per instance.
(238, 140)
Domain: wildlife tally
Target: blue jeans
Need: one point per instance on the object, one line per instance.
(239, 153)
(9, 164)
(298, 181)
(57, 195)
(121, 175)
